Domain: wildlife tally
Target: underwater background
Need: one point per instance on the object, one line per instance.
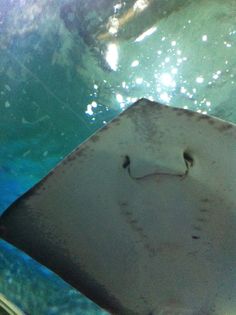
(67, 67)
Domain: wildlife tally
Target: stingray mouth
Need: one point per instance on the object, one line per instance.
(188, 160)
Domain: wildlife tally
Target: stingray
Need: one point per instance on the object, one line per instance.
(141, 218)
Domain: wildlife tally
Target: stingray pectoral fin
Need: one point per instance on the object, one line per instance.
(141, 217)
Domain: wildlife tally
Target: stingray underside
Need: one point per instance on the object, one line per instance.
(141, 217)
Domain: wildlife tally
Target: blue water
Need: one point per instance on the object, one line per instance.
(66, 70)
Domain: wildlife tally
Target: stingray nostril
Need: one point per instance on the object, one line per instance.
(126, 162)
(188, 158)
(195, 237)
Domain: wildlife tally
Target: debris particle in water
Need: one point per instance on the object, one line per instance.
(7, 104)
(7, 87)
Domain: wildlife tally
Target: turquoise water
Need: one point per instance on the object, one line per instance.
(68, 67)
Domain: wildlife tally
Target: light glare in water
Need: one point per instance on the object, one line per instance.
(145, 34)
(140, 5)
(112, 56)
(167, 80)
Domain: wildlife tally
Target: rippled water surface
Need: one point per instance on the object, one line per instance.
(68, 67)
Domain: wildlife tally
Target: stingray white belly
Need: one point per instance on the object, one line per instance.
(142, 216)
